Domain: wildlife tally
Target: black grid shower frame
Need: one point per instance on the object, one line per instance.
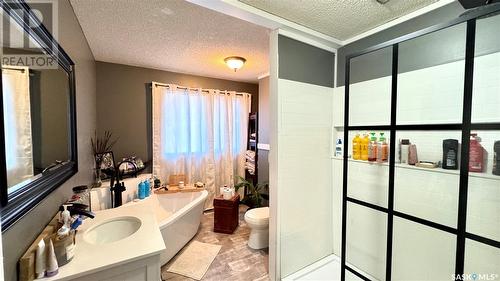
(466, 127)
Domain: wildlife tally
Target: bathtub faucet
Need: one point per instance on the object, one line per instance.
(118, 188)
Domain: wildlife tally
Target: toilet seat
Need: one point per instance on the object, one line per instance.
(258, 216)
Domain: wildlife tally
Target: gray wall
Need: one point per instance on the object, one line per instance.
(18, 238)
(263, 161)
(124, 102)
(301, 62)
(441, 15)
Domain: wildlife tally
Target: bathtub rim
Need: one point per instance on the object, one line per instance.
(184, 210)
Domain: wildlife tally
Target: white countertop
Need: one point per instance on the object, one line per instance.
(89, 258)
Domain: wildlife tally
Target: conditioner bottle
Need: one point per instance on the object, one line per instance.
(372, 148)
(450, 154)
(356, 148)
(476, 155)
(382, 149)
(365, 141)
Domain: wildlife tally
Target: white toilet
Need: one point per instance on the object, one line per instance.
(258, 221)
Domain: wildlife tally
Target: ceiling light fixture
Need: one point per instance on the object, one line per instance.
(382, 1)
(234, 62)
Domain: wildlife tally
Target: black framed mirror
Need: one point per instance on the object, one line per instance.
(38, 148)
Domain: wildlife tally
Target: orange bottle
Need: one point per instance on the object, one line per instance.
(365, 141)
(356, 148)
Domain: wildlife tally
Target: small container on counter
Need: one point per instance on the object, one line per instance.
(81, 194)
(64, 247)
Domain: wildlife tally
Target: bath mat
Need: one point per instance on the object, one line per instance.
(194, 260)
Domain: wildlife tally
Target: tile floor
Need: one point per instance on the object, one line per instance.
(235, 261)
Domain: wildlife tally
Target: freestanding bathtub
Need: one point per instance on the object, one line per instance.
(178, 214)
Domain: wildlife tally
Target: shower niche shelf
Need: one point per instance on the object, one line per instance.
(424, 170)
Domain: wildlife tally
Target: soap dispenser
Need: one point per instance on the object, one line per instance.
(141, 190)
(147, 188)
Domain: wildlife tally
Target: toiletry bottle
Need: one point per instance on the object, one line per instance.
(496, 158)
(40, 260)
(52, 265)
(476, 154)
(405, 145)
(412, 154)
(148, 187)
(382, 149)
(450, 154)
(372, 148)
(356, 148)
(157, 182)
(338, 148)
(141, 190)
(65, 219)
(365, 141)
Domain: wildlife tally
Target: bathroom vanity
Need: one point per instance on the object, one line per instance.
(118, 244)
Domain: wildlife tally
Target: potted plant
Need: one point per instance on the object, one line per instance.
(100, 147)
(254, 196)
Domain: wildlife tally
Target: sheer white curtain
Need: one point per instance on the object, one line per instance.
(17, 124)
(199, 134)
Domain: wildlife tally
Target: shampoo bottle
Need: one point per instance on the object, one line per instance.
(382, 149)
(147, 188)
(141, 191)
(476, 155)
(365, 141)
(372, 148)
(356, 148)
(405, 149)
(450, 154)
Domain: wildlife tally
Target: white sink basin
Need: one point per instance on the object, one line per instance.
(112, 230)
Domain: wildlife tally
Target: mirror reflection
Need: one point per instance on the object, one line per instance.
(35, 93)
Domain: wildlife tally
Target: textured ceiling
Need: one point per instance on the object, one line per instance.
(172, 35)
(341, 19)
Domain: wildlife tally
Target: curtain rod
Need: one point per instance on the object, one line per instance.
(205, 91)
(12, 68)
